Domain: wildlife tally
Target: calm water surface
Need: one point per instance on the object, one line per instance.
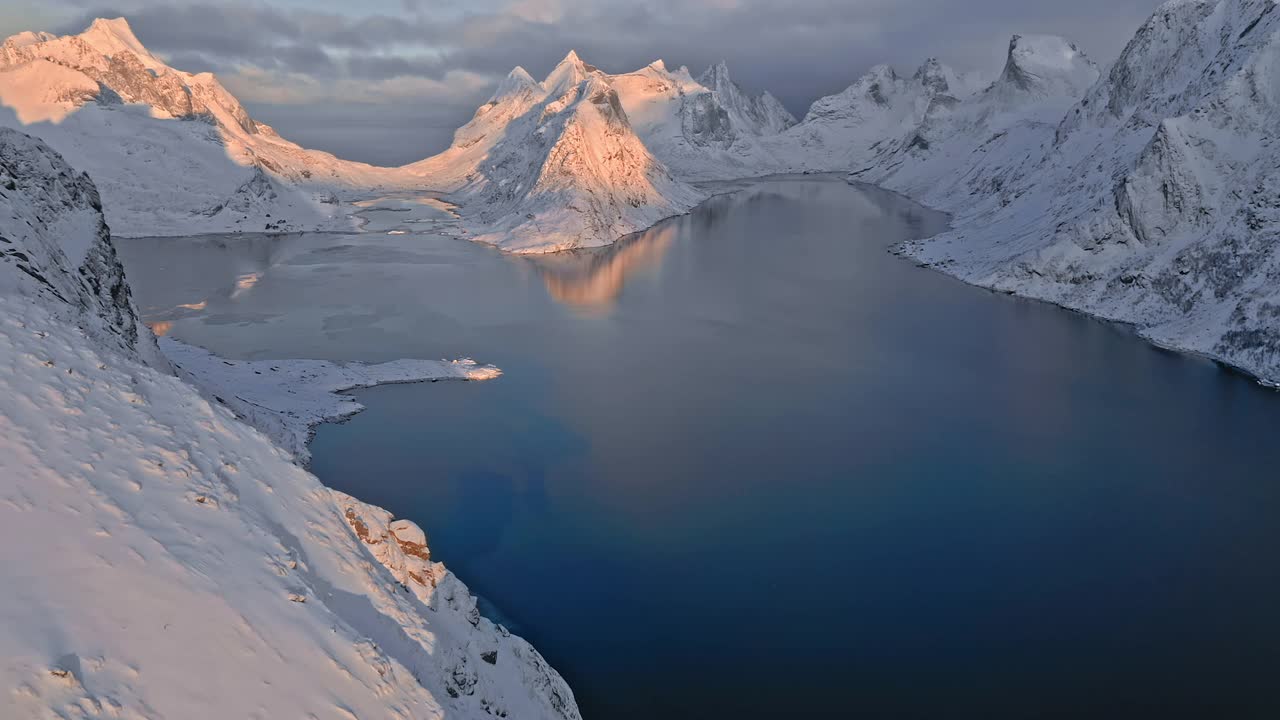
(750, 464)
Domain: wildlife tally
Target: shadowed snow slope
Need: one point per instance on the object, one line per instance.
(1154, 201)
(555, 165)
(1043, 77)
(160, 558)
(109, 106)
(846, 130)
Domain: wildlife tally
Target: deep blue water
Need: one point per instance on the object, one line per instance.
(750, 464)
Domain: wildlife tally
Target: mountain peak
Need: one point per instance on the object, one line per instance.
(716, 77)
(118, 26)
(567, 73)
(1047, 65)
(111, 36)
(514, 83)
(933, 75)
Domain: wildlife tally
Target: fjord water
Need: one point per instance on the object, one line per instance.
(750, 464)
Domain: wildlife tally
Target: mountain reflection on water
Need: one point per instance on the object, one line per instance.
(593, 279)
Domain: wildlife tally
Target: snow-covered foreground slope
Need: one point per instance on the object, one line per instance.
(555, 166)
(1154, 200)
(161, 558)
(171, 152)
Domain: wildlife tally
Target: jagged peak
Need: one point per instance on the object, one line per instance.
(568, 72)
(113, 34)
(716, 77)
(934, 76)
(1047, 65)
(117, 26)
(881, 72)
(658, 65)
(516, 81)
(718, 70)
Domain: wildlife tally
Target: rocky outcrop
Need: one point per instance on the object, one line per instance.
(480, 671)
(57, 249)
(758, 115)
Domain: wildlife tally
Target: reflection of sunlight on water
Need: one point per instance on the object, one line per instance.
(593, 279)
(244, 283)
(160, 327)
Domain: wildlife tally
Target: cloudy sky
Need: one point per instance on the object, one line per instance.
(387, 81)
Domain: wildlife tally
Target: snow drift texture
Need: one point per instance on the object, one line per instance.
(162, 558)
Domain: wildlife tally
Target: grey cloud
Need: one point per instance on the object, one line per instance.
(798, 50)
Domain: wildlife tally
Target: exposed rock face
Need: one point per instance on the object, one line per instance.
(555, 165)
(759, 115)
(57, 249)
(400, 545)
(1153, 200)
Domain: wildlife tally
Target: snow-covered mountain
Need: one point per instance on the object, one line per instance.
(555, 165)
(162, 558)
(847, 130)
(1154, 200)
(702, 129)
(162, 145)
(956, 140)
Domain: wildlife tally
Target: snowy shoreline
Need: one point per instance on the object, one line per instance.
(286, 399)
(909, 251)
(1134, 328)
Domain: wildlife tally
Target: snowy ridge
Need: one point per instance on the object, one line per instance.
(703, 129)
(848, 130)
(1153, 201)
(109, 106)
(555, 166)
(165, 559)
(952, 148)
